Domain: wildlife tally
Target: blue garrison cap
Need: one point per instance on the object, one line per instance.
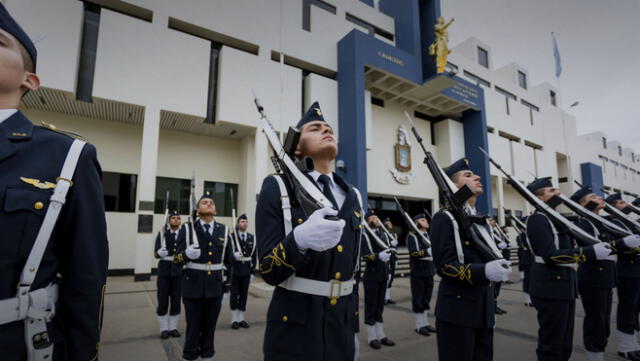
(539, 183)
(418, 216)
(312, 114)
(636, 202)
(8, 24)
(206, 195)
(369, 213)
(387, 219)
(242, 216)
(174, 213)
(460, 164)
(614, 197)
(581, 193)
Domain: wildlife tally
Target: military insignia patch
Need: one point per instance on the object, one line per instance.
(36, 183)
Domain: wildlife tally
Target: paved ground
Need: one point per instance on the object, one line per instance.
(130, 329)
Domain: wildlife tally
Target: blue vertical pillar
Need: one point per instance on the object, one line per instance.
(592, 177)
(475, 136)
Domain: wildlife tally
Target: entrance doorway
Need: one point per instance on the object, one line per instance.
(386, 207)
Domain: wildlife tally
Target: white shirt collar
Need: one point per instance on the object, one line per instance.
(212, 224)
(6, 113)
(315, 175)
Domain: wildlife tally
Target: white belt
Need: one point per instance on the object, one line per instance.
(331, 289)
(568, 265)
(167, 258)
(425, 259)
(205, 267)
(38, 304)
(244, 259)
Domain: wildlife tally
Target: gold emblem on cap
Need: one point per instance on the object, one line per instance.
(318, 111)
(466, 161)
(36, 183)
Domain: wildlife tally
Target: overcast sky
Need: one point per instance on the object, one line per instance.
(599, 45)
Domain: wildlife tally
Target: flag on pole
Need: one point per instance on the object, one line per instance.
(556, 56)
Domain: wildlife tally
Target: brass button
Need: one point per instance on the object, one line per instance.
(211, 243)
(490, 283)
(458, 297)
(340, 248)
(299, 220)
(38, 205)
(466, 243)
(357, 313)
(210, 253)
(285, 318)
(557, 277)
(338, 275)
(187, 278)
(174, 249)
(209, 273)
(600, 269)
(333, 302)
(209, 262)
(359, 226)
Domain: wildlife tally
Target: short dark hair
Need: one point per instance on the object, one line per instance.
(539, 192)
(26, 60)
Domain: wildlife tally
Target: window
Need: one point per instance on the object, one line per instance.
(222, 193)
(604, 142)
(620, 150)
(212, 93)
(633, 157)
(119, 191)
(377, 101)
(483, 57)
(522, 80)
(179, 191)
(507, 96)
(518, 213)
(604, 163)
(451, 68)
(531, 107)
(371, 29)
(478, 80)
(554, 100)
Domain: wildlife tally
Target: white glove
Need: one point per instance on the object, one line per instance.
(317, 233)
(237, 255)
(356, 344)
(428, 252)
(384, 255)
(632, 241)
(502, 245)
(162, 252)
(394, 242)
(193, 252)
(498, 270)
(603, 250)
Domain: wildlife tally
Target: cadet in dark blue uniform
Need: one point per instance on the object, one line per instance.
(169, 277)
(553, 276)
(56, 259)
(393, 261)
(628, 269)
(244, 261)
(525, 260)
(421, 276)
(465, 307)
(374, 281)
(206, 279)
(311, 260)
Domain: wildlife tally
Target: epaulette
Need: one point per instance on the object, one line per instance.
(53, 128)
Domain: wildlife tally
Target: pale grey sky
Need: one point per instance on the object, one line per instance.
(599, 45)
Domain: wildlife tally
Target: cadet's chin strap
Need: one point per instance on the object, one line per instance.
(37, 307)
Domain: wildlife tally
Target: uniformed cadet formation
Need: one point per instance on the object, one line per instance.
(313, 234)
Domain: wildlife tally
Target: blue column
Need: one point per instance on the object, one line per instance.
(592, 177)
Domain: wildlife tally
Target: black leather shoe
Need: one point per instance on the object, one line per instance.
(430, 328)
(500, 311)
(244, 324)
(235, 325)
(385, 341)
(633, 356)
(175, 333)
(165, 335)
(423, 331)
(528, 304)
(375, 344)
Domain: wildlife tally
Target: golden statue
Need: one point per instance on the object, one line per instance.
(439, 49)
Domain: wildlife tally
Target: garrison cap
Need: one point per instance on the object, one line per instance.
(539, 183)
(8, 24)
(312, 114)
(243, 216)
(614, 197)
(418, 216)
(581, 193)
(174, 213)
(460, 164)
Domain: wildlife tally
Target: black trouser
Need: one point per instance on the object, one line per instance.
(597, 313)
(628, 301)
(457, 343)
(496, 291)
(373, 300)
(202, 316)
(169, 287)
(421, 290)
(239, 292)
(525, 281)
(555, 335)
(392, 270)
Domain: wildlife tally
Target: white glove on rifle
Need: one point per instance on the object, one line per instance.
(603, 250)
(193, 252)
(632, 241)
(428, 252)
(498, 270)
(384, 255)
(237, 255)
(502, 245)
(162, 252)
(318, 233)
(394, 242)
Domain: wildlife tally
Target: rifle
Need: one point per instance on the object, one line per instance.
(584, 238)
(306, 194)
(193, 237)
(235, 244)
(375, 237)
(472, 226)
(619, 215)
(163, 241)
(631, 206)
(410, 223)
(519, 226)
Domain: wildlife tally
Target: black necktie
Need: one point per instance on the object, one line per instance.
(242, 238)
(326, 190)
(206, 228)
